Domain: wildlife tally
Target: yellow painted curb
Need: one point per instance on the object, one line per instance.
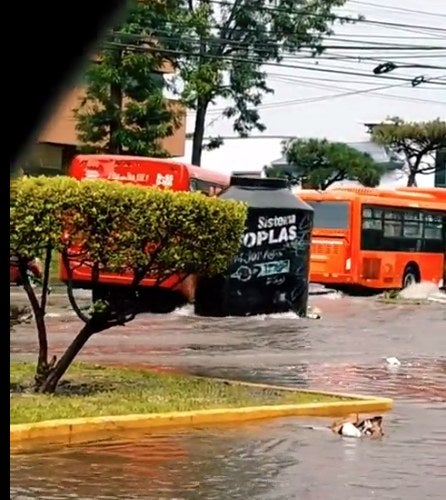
(83, 429)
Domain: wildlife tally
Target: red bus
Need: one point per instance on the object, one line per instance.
(148, 172)
(166, 174)
(376, 239)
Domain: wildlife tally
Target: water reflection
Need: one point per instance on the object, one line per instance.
(344, 351)
(274, 460)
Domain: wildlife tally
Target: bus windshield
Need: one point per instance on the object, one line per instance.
(330, 214)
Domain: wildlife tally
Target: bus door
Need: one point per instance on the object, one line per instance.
(330, 246)
(381, 232)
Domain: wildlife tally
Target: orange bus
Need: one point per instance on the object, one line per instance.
(376, 239)
(163, 173)
(437, 192)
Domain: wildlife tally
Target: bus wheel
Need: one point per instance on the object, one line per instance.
(411, 276)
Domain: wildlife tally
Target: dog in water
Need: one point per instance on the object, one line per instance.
(356, 427)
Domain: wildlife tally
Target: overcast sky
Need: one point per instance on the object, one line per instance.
(313, 103)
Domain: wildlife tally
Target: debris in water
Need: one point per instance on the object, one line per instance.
(392, 361)
(313, 313)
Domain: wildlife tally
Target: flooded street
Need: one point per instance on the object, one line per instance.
(281, 459)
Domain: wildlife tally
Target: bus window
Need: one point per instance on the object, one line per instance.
(434, 233)
(205, 187)
(433, 226)
(413, 224)
(393, 224)
(401, 230)
(330, 214)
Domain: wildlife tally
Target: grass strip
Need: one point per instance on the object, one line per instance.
(91, 390)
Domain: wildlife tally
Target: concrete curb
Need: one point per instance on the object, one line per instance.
(67, 431)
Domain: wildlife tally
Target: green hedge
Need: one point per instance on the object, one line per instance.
(122, 227)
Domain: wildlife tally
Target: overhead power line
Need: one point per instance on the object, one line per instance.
(372, 35)
(365, 60)
(318, 78)
(292, 77)
(374, 91)
(371, 90)
(398, 9)
(342, 18)
(350, 92)
(305, 54)
(166, 35)
(176, 53)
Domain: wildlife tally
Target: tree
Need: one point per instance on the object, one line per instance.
(124, 109)
(107, 225)
(318, 163)
(416, 141)
(220, 47)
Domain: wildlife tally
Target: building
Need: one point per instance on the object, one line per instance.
(250, 156)
(58, 143)
(379, 154)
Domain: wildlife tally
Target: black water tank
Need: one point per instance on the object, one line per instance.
(270, 272)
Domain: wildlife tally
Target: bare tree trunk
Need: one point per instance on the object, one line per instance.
(39, 318)
(200, 118)
(414, 169)
(115, 146)
(89, 329)
(411, 179)
(116, 97)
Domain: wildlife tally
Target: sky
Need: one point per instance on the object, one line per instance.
(308, 102)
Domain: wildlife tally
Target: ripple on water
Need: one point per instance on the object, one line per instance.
(281, 459)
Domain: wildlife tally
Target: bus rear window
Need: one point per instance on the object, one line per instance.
(330, 214)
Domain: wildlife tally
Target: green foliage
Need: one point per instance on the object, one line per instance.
(123, 227)
(416, 141)
(219, 49)
(318, 163)
(124, 110)
(235, 39)
(38, 207)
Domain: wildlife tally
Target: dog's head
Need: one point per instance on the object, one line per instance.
(371, 426)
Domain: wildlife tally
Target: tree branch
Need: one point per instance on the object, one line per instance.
(39, 315)
(79, 313)
(338, 177)
(226, 31)
(46, 278)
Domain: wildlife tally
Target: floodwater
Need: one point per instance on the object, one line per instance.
(280, 459)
